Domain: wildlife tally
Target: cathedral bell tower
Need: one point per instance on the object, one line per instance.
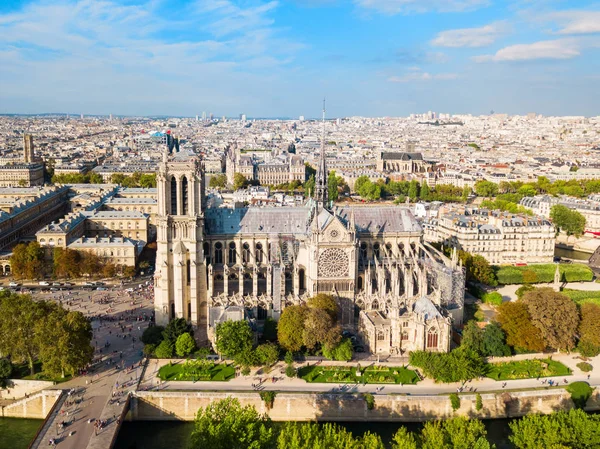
(180, 278)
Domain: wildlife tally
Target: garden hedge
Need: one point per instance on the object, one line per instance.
(542, 273)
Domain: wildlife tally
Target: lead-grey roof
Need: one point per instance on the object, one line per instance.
(376, 219)
(424, 306)
(264, 220)
(395, 156)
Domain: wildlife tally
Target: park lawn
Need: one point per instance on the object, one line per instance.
(220, 372)
(542, 273)
(21, 371)
(526, 369)
(347, 374)
(582, 296)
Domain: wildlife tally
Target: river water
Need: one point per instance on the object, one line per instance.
(175, 434)
(17, 433)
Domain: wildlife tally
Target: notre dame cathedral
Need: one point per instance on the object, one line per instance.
(215, 264)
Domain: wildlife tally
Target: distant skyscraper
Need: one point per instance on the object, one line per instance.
(203, 116)
(243, 118)
(81, 116)
(301, 118)
(211, 116)
(338, 121)
(110, 117)
(28, 154)
(196, 117)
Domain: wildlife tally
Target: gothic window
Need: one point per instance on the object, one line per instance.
(432, 338)
(363, 251)
(375, 305)
(246, 253)
(380, 336)
(376, 250)
(404, 335)
(359, 283)
(173, 196)
(188, 272)
(184, 195)
(301, 280)
(388, 249)
(285, 253)
(405, 324)
(333, 262)
(232, 256)
(218, 252)
(259, 253)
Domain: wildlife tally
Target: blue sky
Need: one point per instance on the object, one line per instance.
(280, 57)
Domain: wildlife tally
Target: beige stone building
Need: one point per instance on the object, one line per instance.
(119, 250)
(589, 208)
(500, 237)
(25, 172)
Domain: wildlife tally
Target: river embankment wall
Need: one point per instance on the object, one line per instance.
(183, 406)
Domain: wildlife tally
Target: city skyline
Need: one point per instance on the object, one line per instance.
(278, 59)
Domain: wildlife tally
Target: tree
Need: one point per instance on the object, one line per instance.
(478, 402)
(459, 365)
(555, 315)
(567, 220)
(175, 328)
(218, 181)
(239, 181)
(309, 186)
(64, 339)
(454, 401)
(572, 429)
(325, 302)
(291, 327)
(589, 330)
(472, 337)
(165, 349)
(67, 263)
(455, 433)
(465, 193)
(270, 329)
(493, 341)
(486, 188)
(520, 332)
(319, 329)
(425, 192)
(413, 190)
(185, 345)
(267, 354)
(27, 261)
(342, 352)
(225, 424)
(403, 439)
(294, 435)
(129, 271)
(333, 183)
(234, 337)
(6, 370)
(481, 270)
(19, 317)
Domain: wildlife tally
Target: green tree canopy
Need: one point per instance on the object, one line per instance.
(291, 327)
(239, 181)
(521, 334)
(589, 330)
(218, 181)
(567, 220)
(185, 345)
(325, 302)
(486, 188)
(234, 337)
(175, 328)
(494, 341)
(225, 424)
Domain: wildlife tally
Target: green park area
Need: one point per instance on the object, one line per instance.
(582, 296)
(197, 370)
(542, 273)
(526, 369)
(351, 374)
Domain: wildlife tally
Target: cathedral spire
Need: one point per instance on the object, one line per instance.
(321, 188)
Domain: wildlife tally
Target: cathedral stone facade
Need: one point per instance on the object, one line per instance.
(215, 264)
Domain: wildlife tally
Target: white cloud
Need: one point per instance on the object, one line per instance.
(554, 49)
(576, 22)
(416, 74)
(392, 7)
(471, 37)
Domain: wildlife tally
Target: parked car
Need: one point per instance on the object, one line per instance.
(44, 283)
(13, 284)
(67, 284)
(56, 284)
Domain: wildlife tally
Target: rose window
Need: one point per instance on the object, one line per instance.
(333, 262)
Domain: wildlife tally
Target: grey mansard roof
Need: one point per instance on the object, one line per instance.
(392, 156)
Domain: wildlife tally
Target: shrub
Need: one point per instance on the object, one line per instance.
(185, 345)
(529, 277)
(588, 349)
(290, 371)
(369, 400)
(245, 370)
(165, 349)
(153, 335)
(459, 365)
(493, 298)
(268, 398)
(342, 352)
(454, 401)
(544, 273)
(478, 402)
(585, 367)
(149, 350)
(580, 393)
(289, 358)
(524, 289)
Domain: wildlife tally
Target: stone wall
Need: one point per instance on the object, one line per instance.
(36, 406)
(167, 405)
(18, 388)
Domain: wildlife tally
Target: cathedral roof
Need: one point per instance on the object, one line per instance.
(376, 219)
(424, 306)
(259, 220)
